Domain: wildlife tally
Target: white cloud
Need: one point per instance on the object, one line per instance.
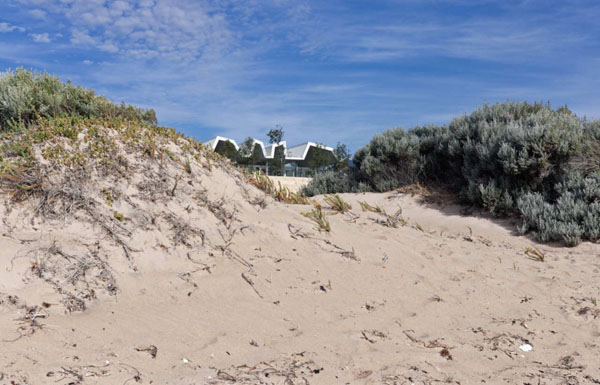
(38, 14)
(5, 27)
(41, 37)
(108, 46)
(88, 62)
(80, 37)
(179, 30)
(492, 39)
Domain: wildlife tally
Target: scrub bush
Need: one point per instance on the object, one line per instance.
(574, 215)
(332, 182)
(511, 158)
(26, 96)
(390, 160)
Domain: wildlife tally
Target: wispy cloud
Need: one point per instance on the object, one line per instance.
(6, 27)
(178, 30)
(37, 14)
(41, 37)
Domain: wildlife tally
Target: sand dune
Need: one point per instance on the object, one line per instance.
(295, 184)
(207, 281)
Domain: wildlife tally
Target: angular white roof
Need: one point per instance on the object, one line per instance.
(214, 141)
(270, 149)
(297, 152)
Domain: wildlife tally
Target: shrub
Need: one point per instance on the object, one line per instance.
(572, 216)
(511, 158)
(26, 96)
(390, 160)
(332, 182)
(507, 149)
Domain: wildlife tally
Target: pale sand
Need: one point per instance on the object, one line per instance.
(292, 183)
(270, 300)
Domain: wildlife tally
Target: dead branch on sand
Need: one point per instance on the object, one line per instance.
(251, 283)
(296, 233)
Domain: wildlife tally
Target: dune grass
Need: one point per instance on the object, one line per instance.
(336, 203)
(317, 216)
(277, 191)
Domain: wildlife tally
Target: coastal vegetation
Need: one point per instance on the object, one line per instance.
(512, 159)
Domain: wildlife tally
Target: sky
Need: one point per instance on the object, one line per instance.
(327, 71)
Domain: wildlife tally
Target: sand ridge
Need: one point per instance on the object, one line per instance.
(223, 285)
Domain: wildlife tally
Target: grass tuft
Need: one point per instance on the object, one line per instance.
(317, 216)
(535, 254)
(367, 207)
(336, 203)
(277, 191)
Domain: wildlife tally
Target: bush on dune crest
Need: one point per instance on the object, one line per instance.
(48, 126)
(510, 158)
(26, 96)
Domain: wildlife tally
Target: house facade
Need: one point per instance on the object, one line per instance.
(301, 160)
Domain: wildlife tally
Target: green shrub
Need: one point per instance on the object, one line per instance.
(505, 150)
(390, 160)
(574, 215)
(26, 96)
(511, 158)
(332, 182)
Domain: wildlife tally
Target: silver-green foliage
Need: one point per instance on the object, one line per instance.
(507, 149)
(512, 158)
(26, 95)
(572, 216)
(390, 160)
(331, 182)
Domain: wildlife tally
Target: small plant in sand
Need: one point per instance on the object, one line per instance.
(110, 196)
(119, 216)
(279, 192)
(367, 207)
(336, 203)
(317, 216)
(389, 220)
(395, 220)
(535, 254)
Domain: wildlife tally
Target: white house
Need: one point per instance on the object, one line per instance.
(297, 158)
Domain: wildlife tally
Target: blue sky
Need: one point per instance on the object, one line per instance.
(325, 70)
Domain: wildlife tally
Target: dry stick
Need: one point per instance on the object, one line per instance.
(429, 345)
(222, 375)
(73, 373)
(236, 257)
(119, 241)
(175, 186)
(204, 265)
(138, 375)
(21, 335)
(251, 283)
(367, 338)
(295, 233)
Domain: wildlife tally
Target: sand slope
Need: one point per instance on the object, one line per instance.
(226, 286)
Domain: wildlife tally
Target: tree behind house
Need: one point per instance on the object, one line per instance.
(277, 164)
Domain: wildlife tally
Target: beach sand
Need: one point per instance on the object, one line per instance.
(222, 285)
(295, 184)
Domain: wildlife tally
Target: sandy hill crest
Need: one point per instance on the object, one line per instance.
(130, 254)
